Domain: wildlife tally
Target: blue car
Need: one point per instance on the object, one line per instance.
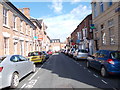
(107, 61)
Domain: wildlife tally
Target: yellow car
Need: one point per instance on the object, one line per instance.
(36, 57)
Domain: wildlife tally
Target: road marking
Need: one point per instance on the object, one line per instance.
(114, 89)
(104, 82)
(95, 75)
(31, 84)
(89, 71)
(41, 66)
(33, 75)
(23, 86)
(38, 77)
(80, 65)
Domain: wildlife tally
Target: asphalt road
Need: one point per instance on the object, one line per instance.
(61, 71)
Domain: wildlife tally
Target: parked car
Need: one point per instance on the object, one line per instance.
(80, 54)
(107, 61)
(50, 52)
(66, 52)
(13, 68)
(36, 57)
(70, 53)
(45, 54)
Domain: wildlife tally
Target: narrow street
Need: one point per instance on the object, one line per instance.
(60, 71)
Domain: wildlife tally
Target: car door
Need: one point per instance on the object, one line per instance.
(94, 59)
(26, 67)
(17, 65)
(101, 59)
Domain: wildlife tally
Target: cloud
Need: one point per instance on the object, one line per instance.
(57, 6)
(62, 26)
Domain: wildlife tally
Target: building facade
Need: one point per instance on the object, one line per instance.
(38, 35)
(45, 38)
(16, 31)
(106, 19)
(82, 36)
(55, 45)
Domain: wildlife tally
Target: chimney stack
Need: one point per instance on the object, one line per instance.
(26, 12)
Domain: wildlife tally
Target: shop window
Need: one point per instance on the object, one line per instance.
(112, 36)
(103, 38)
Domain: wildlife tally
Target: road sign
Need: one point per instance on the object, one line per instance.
(77, 41)
(35, 37)
(92, 26)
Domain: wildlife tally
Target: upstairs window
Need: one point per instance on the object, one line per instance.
(14, 22)
(21, 25)
(27, 29)
(95, 9)
(5, 16)
(110, 3)
(101, 7)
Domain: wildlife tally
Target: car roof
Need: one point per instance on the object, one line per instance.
(109, 50)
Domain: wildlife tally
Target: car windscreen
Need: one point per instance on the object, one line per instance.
(2, 58)
(83, 51)
(115, 55)
(34, 54)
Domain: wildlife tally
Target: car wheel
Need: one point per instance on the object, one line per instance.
(15, 80)
(104, 72)
(87, 64)
(34, 68)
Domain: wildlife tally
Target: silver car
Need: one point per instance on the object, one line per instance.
(80, 54)
(13, 68)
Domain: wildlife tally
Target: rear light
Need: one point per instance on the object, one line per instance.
(1, 68)
(110, 61)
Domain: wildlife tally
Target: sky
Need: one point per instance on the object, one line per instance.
(60, 17)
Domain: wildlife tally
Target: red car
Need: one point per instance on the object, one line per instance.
(49, 52)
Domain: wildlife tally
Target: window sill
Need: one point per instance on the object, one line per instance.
(21, 32)
(27, 34)
(14, 29)
(6, 26)
(110, 26)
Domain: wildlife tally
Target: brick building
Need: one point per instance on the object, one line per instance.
(106, 18)
(38, 35)
(55, 44)
(45, 38)
(82, 36)
(16, 30)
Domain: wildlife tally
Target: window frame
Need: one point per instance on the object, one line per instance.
(5, 16)
(101, 7)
